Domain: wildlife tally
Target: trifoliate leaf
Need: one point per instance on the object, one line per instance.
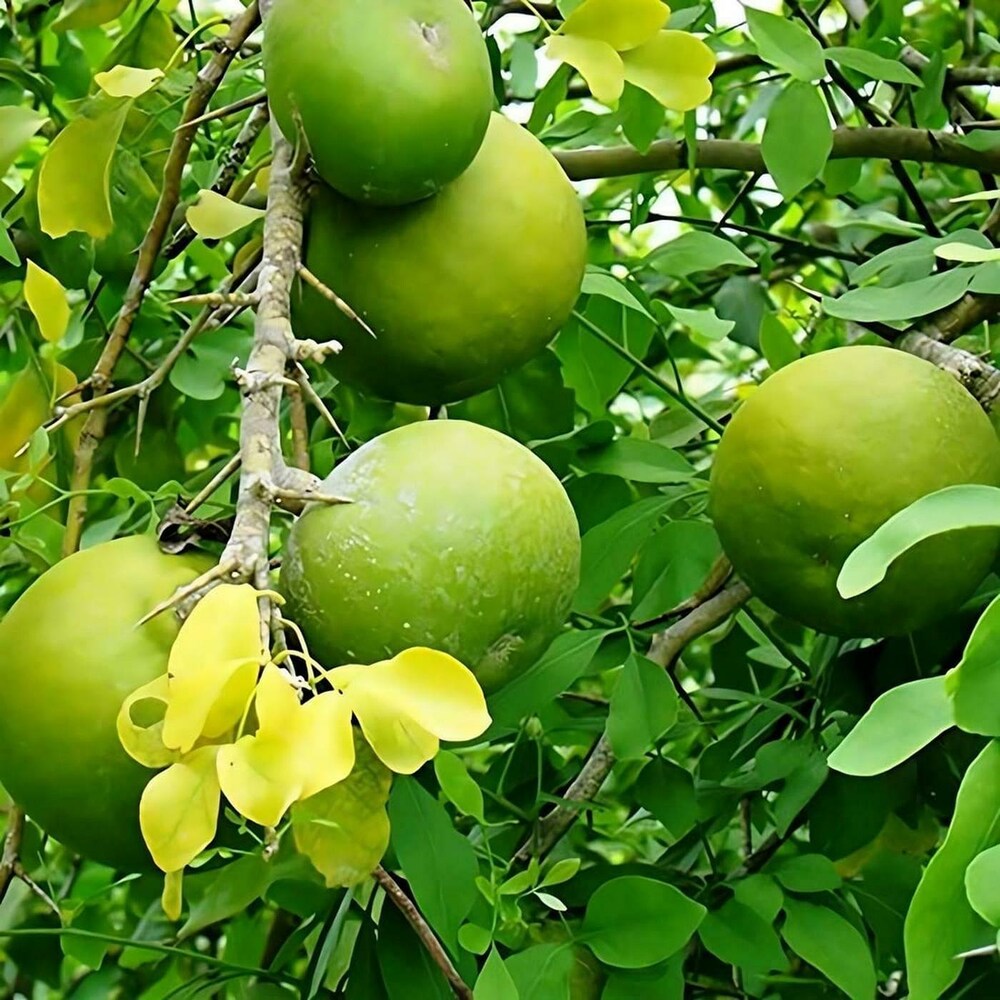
(214, 216)
(46, 299)
(17, 126)
(172, 899)
(213, 666)
(344, 830)
(623, 24)
(599, 64)
(179, 810)
(73, 182)
(298, 751)
(140, 725)
(674, 67)
(128, 81)
(406, 704)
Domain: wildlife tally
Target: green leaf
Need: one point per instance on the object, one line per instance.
(776, 344)
(762, 894)
(826, 940)
(787, 44)
(73, 183)
(806, 873)
(407, 969)
(17, 126)
(88, 13)
(230, 891)
(543, 972)
(798, 137)
(974, 685)
(660, 982)
(8, 251)
(475, 939)
(881, 304)
(561, 871)
(900, 722)
(494, 982)
(666, 790)
(738, 935)
(598, 282)
(609, 548)
(671, 567)
(704, 322)
(458, 785)
(344, 829)
(637, 460)
(642, 117)
(940, 923)
(643, 707)
(966, 254)
(875, 66)
(632, 922)
(696, 251)
(950, 509)
(440, 864)
(982, 885)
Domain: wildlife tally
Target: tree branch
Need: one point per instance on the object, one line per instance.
(205, 85)
(665, 650)
(427, 937)
(9, 861)
(894, 144)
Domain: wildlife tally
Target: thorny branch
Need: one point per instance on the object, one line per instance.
(665, 650)
(206, 83)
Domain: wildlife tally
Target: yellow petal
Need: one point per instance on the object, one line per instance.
(144, 743)
(599, 64)
(128, 81)
(432, 688)
(400, 743)
(674, 67)
(623, 24)
(172, 899)
(224, 626)
(207, 704)
(73, 182)
(298, 750)
(179, 810)
(214, 216)
(344, 830)
(46, 299)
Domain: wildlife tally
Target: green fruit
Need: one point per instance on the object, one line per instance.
(460, 289)
(69, 655)
(823, 453)
(393, 95)
(457, 538)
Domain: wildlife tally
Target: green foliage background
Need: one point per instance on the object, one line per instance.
(722, 856)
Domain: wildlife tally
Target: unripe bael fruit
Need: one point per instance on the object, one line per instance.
(825, 451)
(70, 653)
(393, 95)
(460, 289)
(457, 538)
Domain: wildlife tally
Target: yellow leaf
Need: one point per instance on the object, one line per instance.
(143, 739)
(599, 64)
(172, 899)
(179, 810)
(214, 216)
(298, 750)
(344, 830)
(73, 182)
(128, 81)
(213, 666)
(623, 24)
(674, 67)
(17, 126)
(46, 299)
(406, 704)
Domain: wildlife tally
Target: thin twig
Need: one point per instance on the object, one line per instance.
(253, 100)
(205, 85)
(665, 650)
(423, 931)
(11, 848)
(330, 295)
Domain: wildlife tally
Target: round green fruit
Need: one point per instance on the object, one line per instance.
(823, 453)
(70, 653)
(393, 95)
(460, 289)
(456, 537)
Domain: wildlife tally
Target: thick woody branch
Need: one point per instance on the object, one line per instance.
(665, 650)
(423, 931)
(206, 83)
(894, 144)
(981, 379)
